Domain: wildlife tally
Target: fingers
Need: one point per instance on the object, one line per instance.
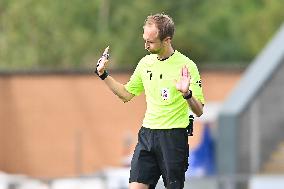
(106, 54)
(99, 61)
(102, 65)
(105, 64)
(184, 71)
(106, 50)
(104, 57)
(102, 62)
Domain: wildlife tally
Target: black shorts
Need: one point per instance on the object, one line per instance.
(160, 152)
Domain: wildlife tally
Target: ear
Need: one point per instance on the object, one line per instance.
(167, 40)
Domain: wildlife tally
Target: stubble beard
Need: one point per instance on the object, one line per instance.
(157, 51)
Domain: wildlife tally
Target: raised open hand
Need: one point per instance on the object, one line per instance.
(183, 84)
(102, 62)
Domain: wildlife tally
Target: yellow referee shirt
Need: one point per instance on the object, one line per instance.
(166, 107)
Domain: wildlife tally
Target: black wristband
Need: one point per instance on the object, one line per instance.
(189, 95)
(103, 76)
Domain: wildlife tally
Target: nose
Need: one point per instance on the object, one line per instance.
(146, 45)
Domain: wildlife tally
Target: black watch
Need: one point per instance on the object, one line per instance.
(189, 95)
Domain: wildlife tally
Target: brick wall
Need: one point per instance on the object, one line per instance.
(66, 125)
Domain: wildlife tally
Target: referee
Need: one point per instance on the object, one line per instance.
(172, 86)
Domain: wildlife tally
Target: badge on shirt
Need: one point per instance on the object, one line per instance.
(165, 93)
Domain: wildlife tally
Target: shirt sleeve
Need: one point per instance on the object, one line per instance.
(135, 84)
(195, 83)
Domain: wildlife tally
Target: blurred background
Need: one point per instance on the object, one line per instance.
(61, 128)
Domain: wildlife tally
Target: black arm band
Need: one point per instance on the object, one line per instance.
(189, 95)
(103, 76)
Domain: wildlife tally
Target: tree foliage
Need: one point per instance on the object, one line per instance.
(71, 34)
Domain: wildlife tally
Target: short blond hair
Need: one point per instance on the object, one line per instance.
(164, 23)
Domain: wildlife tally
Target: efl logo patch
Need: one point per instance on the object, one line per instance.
(165, 93)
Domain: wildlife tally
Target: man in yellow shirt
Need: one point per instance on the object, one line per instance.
(172, 87)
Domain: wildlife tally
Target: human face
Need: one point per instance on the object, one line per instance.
(152, 42)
